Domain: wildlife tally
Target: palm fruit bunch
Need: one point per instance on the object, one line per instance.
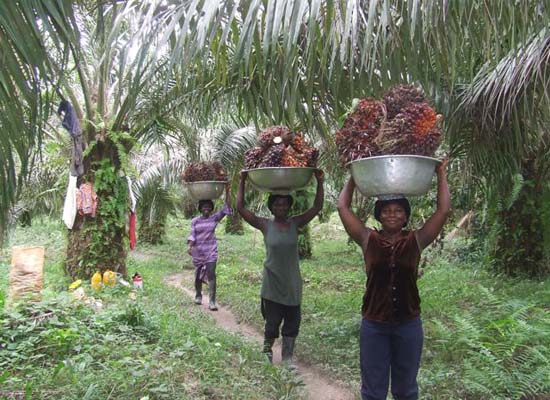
(253, 157)
(204, 171)
(413, 126)
(280, 147)
(270, 135)
(273, 156)
(403, 123)
(357, 138)
(400, 96)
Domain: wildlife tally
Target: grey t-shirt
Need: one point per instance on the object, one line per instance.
(282, 281)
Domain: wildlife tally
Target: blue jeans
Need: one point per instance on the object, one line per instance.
(390, 348)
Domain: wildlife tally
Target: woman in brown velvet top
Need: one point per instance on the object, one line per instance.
(391, 330)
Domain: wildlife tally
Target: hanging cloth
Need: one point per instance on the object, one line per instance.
(69, 208)
(86, 200)
(131, 195)
(132, 230)
(133, 218)
(71, 123)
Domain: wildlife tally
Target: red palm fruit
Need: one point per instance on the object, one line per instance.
(400, 96)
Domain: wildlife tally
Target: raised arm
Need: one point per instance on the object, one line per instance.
(353, 225)
(307, 216)
(434, 224)
(226, 209)
(248, 216)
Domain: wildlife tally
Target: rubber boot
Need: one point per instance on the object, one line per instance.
(212, 292)
(288, 351)
(268, 349)
(198, 292)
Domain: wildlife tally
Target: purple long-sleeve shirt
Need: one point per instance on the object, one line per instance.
(203, 237)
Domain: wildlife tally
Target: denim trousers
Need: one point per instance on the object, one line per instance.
(390, 350)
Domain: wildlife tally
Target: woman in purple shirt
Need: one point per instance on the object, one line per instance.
(203, 247)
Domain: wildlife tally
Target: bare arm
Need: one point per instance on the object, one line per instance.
(307, 216)
(353, 225)
(248, 216)
(434, 224)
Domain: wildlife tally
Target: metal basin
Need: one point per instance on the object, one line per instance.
(280, 180)
(205, 190)
(405, 175)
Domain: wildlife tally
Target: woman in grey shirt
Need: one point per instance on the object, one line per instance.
(281, 291)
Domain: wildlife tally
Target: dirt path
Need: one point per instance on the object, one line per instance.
(317, 385)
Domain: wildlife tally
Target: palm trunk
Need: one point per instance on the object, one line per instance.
(189, 208)
(88, 250)
(3, 227)
(152, 232)
(520, 243)
(98, 243)
(234, 224)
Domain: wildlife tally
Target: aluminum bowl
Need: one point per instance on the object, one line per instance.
(205, 190)
(280, 180)
(393, 175)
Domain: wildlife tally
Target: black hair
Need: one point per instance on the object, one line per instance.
(403, 202)
(273, 197)
(205, 202)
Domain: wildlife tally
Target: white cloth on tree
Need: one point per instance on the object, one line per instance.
(131, 194)
(69, 208)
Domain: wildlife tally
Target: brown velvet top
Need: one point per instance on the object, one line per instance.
(391, 293)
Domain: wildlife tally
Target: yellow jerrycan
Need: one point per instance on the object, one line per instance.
(96, 281)
(109, 278)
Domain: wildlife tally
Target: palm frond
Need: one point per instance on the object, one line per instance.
(230, 144)
(496, 93)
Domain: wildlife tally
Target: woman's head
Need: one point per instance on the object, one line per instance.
(205, 207)
(279, 204)
(394, 211)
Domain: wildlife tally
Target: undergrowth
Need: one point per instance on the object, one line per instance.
(486, 335)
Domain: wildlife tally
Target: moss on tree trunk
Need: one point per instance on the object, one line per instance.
(520, 242)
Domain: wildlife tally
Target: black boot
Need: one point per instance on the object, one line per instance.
(198, 292)
(288, 351)
(268, 349)
(212, 292)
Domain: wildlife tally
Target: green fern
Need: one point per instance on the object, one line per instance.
(517, 184)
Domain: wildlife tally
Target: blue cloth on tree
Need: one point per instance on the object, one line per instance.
(72, 124)
(70, 119)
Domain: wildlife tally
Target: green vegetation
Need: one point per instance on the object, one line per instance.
(485, 338)
(156, 347)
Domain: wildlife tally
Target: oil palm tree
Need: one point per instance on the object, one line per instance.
(106, 60)
(24, 94)
(302, 61)
(297, 62)
(505, 138)
(158, 193)
(229, 144)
